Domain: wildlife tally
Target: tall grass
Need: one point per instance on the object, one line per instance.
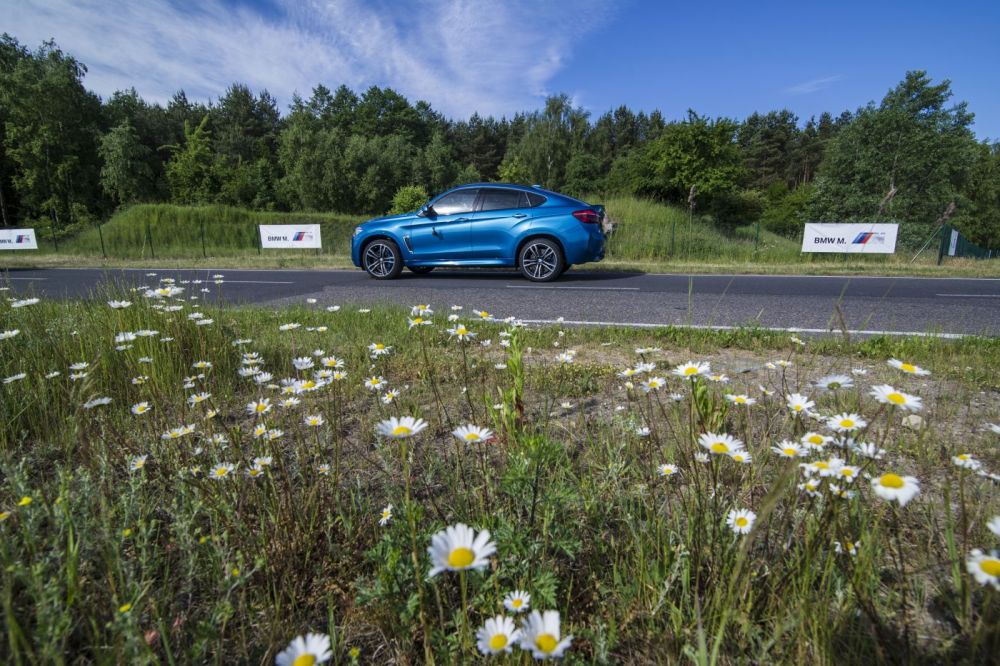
(647, 233)
(165, 230)
(166, 564)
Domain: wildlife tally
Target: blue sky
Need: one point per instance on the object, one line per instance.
(718, 58)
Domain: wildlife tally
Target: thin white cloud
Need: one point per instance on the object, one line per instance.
(815, 85)
(460, 55)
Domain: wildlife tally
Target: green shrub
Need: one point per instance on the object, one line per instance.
(407, 199)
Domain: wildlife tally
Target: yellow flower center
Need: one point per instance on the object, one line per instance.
(907, 367)
(304, 660)
(896, 398)
(379, 345)
(741, 522)
(418, 320)
(847, 423)
(991, 567)
(498, 641)
(461, 558)
(790, 451)
(688, 372)
(797, 408)
(739, 400)
(472, 437)
(847, 471)
(891, 480)
(222, 471)
(461, 330)
(517, 603)
(546, 643)
(654, 384)
(821, 464)
(260, 407)
(25, 501)
(738, 457)
(124, 608)
(815, 439)
(401, 430)
(963, 456)
(720, 447)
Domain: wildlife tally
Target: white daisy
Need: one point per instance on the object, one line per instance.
(893, 487)
(458, 548)
(386, 515)
(798, 403)
(517, 601)
(540, 634)
(497, 635)
(984, 567)
(908, 368)
(692, 369)
(889, 396)
(720, 444)
(472, 434)
(400, 428)
(741, 520)
(846, 422)
(307, 650)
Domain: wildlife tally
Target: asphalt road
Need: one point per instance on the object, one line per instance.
(814, 304)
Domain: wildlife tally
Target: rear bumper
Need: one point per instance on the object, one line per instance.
(585, 247)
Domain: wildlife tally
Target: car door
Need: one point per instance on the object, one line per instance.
(442, 234)
(501, 211)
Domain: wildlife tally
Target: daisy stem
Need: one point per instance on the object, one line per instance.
(463, 584)
(465, 373)
(434, 387)
(412, 522)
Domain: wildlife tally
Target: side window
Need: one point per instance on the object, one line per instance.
(535, 199)
(457, 202)
(497, 199)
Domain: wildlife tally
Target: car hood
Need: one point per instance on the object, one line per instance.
(390, 218)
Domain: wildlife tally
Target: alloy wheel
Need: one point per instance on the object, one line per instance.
(539, 261)
(380, 259)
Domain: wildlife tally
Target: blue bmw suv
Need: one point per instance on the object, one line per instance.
(541, 233)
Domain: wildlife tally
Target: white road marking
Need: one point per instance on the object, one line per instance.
(969, 295)
(777, 329)
(224, 281)
(531, 286)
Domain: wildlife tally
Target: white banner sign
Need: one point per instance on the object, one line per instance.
(850, 238)
(294, 236)
(18, 239)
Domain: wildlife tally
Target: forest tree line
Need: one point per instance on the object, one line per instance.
(69, 158)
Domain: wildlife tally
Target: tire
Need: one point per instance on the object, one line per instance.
(382, 260)
(566, 268)
(541, 260)
(420, 270)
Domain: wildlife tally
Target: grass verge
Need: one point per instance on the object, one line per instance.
(224, 518)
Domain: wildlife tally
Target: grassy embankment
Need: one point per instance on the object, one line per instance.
(649, 237)
(106, 560)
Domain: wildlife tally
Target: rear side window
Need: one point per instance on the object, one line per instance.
(462, 201)
(535, 199)
(496, 199)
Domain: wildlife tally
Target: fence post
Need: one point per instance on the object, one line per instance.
(100, 234)
(944, 240)
(259, 243)
(149, 237)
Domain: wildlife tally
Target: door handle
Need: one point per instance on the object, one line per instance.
(519, 215)
(462, 219)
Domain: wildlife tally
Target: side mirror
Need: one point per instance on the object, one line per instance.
(426, 211)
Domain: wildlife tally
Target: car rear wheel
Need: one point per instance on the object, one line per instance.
(541, 260)
(382, 259)
(420, 270)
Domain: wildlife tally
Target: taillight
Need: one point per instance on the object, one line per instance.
(587, 216)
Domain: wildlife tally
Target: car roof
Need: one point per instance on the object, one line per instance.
(514, 186)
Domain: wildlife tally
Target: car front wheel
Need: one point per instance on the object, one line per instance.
(541, 260)
(382, 259)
